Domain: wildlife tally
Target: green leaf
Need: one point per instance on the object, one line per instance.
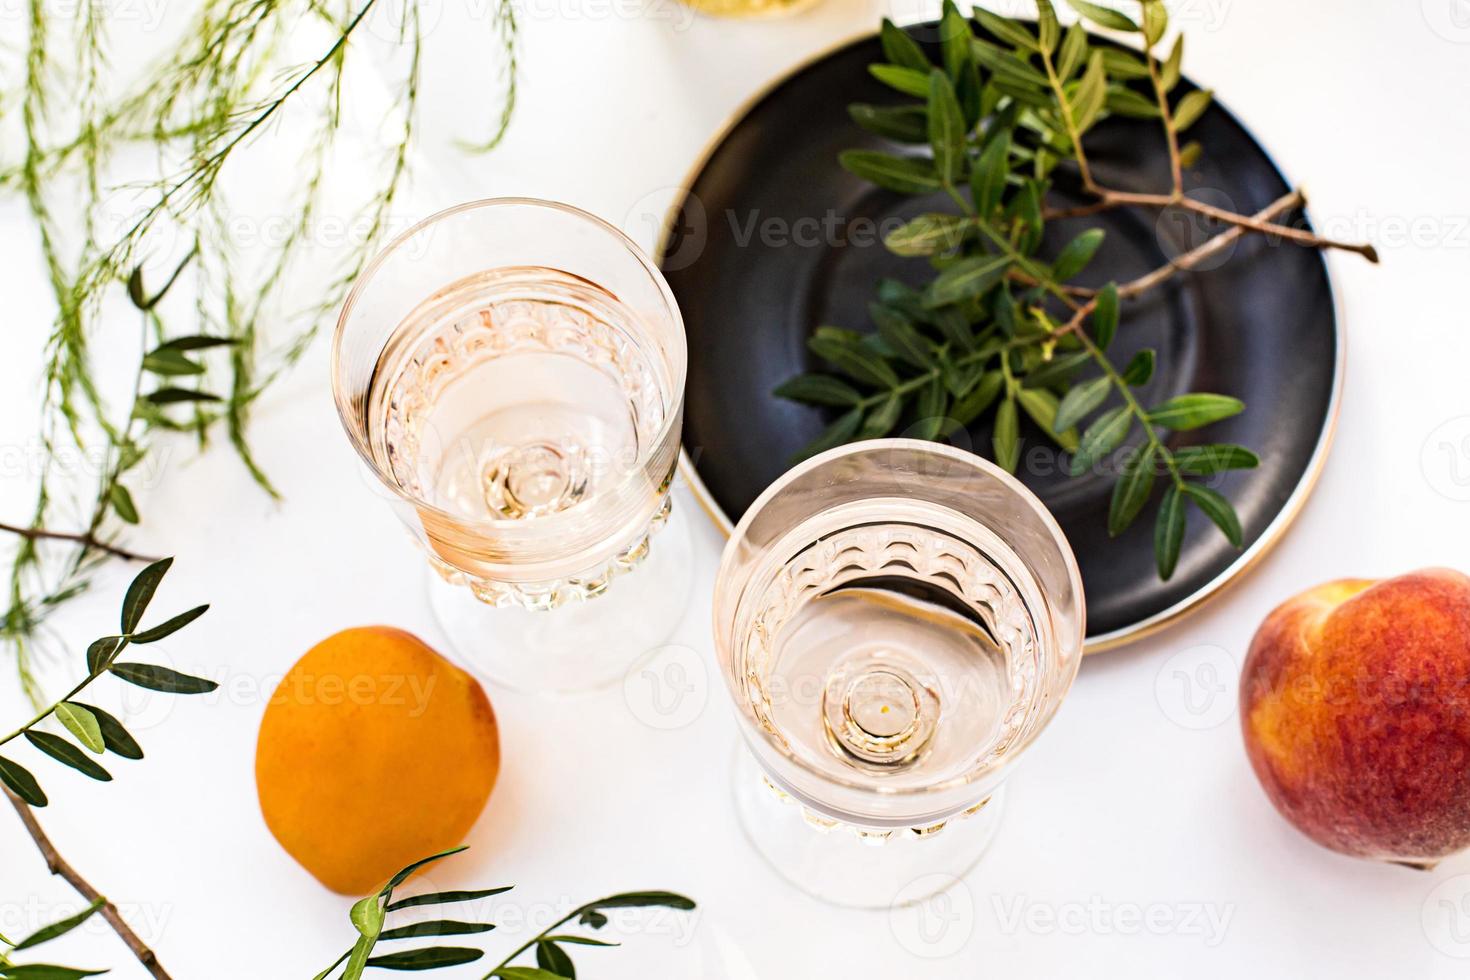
(170, 626)
(68, 754)
(642, 900)
(907, 342)
(1194, 411)
(1091, 95)
(100, 652)
(1006, 441)
(1217, 509)
(61, 928)
(906, 175)
(1215, 458)
(1081, 400)
(1049, 28)
(122, 503)
(1105, 434)
(1009, 67)
(836, 434)
(1190, 153)
(524, 973)
(1074, 51)
(1042, 406)
(1006, 29)
(901, 49)
(981, 397)
(20, 782)
(1126, 102)
(1173, 65)
(1155, 21)
(1103, 16)
(1105, 315)
(45, 971)
(946, 128)
(854, 359)
(1057, 369)
(929, 412)
(434, 927)
(367, 915)
(1169, 531)
(818, 389)
(928, 234)
(883, 418)
(1140, 369)
(579, 941)
(988, 179)
(968, 277)
(140, 593)
(1191, 107)
(1077, 253)
(408, 872)
(1132, 490)
(592, 918)
(156, 678)
(198, 342)
(954, 41)
(136, 291)
(446, 898)
(553, 959)
(1124, 65)
(952, 323)
(909, 81)
(114, 735)
(82, 724)
(906, 124)
(169, 362)
(176, 396)
(428, 958)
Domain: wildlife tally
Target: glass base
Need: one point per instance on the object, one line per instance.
(840, 867)
(583, 646)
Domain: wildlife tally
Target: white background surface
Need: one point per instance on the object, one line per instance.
(1136, 807)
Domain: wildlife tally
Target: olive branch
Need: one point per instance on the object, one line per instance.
(999, 327)
(553, 962)
(93, 733)
(207, 96)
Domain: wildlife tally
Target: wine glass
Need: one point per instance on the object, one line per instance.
(511, 372)
(896, 621)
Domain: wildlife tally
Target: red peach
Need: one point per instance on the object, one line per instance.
(1355, 705)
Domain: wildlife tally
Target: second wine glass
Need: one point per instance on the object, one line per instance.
(511, 372)
(896, 621)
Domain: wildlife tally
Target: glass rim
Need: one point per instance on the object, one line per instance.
(965, 457)
(342, 400)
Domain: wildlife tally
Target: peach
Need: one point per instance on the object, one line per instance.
(1355, 705)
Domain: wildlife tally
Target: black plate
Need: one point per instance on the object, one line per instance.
(773, 239)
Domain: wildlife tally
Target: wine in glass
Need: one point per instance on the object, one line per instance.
(511, 372)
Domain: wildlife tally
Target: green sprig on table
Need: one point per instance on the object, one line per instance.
(93, 734)
(999, 328)
(553, 962)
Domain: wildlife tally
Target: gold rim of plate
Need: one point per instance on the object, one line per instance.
(1237, 569)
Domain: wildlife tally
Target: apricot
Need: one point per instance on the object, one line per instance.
(374, 752)
(1355, 705)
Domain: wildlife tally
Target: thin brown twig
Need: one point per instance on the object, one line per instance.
(1109, 199)
(1201, 252)
(85, 540)
(59, 866)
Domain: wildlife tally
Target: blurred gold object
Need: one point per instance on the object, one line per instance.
(750, 8)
